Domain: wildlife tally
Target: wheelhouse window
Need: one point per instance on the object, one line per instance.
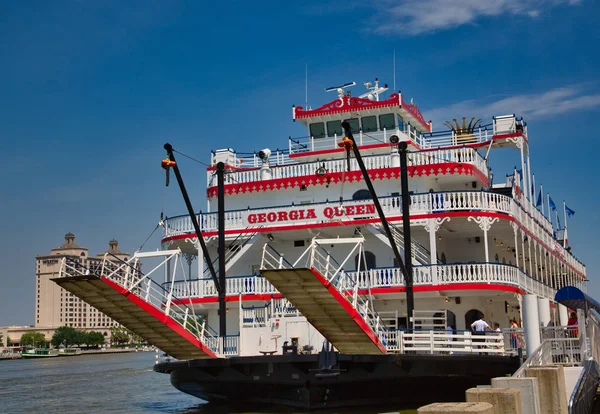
(334, 128)
(369, 123)
(400, 123)
(354, 125)
(317, 130)
(387, 121)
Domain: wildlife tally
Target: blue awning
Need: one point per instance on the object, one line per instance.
(574, 298)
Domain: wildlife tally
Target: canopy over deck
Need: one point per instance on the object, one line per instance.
(574, 298)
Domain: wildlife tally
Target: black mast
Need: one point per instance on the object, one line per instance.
(384, 223)
(410, 297)
(188, 204)
(221, 224)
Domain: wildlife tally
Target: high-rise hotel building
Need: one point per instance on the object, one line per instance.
(56, 307)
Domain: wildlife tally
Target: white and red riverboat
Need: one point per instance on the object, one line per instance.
(315, 298)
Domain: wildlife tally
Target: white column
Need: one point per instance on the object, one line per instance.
(523, 248)
(200, 269)
(531, 196)
(544, 311)
(523, 170)
(531, 323)
(487, 248)
(432, 241)
(530, 258)
(515, 230)
(563, 314)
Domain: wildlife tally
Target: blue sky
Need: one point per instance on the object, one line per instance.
(90, 91)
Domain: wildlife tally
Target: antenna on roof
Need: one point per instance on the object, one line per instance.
(374, 90)
(394, 69)
(306, 76)
(340, 89)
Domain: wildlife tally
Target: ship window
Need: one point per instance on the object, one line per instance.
(317, 130)
(386, 121)
(400, 123)
(361, 195)
(334, 128)
(369, 123)
(354, 126)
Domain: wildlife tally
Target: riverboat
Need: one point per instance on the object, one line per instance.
(39, 353)
(69, 351)
(339, 288)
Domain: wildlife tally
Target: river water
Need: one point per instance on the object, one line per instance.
(118, 383)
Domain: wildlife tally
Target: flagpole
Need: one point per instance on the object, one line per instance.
(565, 232)
(542, 197)
(549, 213)
(533, 200)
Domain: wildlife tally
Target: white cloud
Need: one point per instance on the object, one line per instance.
(411, 17)
(532, 106)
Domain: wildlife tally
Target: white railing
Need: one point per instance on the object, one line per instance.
(303, 145)
(459, 155)
(254, 316)
(128, 275)
(230, 345)
(382, 277)
(281, 308)
(445, 342)
(236, 285)
(424, 203)
(451, 138)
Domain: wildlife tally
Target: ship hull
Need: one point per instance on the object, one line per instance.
(296, 381)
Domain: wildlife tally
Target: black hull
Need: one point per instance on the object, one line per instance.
(296, 381)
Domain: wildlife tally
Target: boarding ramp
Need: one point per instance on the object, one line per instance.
(330, 299)
(123, 292)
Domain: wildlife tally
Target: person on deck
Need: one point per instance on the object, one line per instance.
(479, 327)
(572, 325)
(514, 336)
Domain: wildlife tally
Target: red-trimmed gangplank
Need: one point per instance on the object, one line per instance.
(124, 294)
(345, 320)
(137, 315)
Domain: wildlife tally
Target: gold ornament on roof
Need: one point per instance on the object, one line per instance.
(465, 133)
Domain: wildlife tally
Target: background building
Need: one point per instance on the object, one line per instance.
(55, 306)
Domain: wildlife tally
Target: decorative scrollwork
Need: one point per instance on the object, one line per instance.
(485, 223)
(189, 258)
(518, 141)
(435, 223)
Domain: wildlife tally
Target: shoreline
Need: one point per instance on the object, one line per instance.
(102, 351)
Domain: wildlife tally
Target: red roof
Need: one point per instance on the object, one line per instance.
(351, 104)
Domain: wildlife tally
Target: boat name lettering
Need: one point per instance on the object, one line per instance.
(331, 212)
(322, 213)
(272, 216)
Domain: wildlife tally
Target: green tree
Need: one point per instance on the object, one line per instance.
(33, 339)
(81, 338)
(64, 335)
(95, 338)
(119, 335)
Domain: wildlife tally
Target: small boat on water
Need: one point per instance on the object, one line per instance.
(40, 353)
(69, 351)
